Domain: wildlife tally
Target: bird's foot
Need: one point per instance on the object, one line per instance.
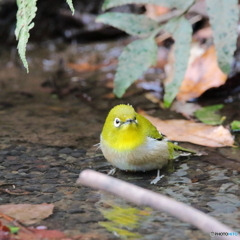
(112, 172)
(157, 179)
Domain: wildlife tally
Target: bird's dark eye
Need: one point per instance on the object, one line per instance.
(117, 122)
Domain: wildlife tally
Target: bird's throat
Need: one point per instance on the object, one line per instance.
(126, 139)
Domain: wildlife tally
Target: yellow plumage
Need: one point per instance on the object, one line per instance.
(130, 142)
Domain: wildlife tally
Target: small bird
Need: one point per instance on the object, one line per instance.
(130, 142)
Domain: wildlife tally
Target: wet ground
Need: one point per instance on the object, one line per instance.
(47, 136)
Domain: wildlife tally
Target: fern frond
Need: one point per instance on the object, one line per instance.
(25, 14)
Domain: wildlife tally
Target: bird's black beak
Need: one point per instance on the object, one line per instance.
(130, 121)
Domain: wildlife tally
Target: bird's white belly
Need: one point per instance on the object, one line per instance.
(153, 154)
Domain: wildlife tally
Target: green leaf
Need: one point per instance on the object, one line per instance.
(209, 116)
(25, 14)
(137, 25)
(223, 16)
(235, 126)
(181, 31)
(179, 4)
(136, 58)
(70, 4)
(14, 229)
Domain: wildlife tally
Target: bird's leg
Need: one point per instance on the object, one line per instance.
(112, 171)
(158, 178)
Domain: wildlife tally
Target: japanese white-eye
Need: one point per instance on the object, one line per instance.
(130, 142)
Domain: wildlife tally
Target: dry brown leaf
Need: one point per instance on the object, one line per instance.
(84, 67)
(203, 73)
(204, 33)
(189, 131)
(42, 234)
(152, 97)
(27, 213)
(153, 11)
(186, 109)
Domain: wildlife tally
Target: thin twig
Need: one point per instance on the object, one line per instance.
(15, 222)
(146, 197)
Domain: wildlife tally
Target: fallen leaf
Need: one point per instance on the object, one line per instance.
(34, 234)
(186, 109)
(84, 67)
(152, 97)
(204, 33)
(108, 96)
(27, 213)
(235, 126)
(209, 116)
(189, 131)
(153, 11)
(203, 73)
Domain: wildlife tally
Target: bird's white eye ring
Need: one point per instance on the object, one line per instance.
(117, 122)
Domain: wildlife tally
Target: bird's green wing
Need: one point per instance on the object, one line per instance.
(173, 150)
(150, 130)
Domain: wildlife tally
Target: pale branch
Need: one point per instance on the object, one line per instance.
(157, 201)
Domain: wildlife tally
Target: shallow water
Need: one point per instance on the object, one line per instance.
(68, 113)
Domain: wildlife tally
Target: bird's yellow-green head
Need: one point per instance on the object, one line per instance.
(121, 130)
(124, 129)
(121, 117)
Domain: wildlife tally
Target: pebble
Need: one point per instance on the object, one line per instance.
(32, 188)
(30, 158)
(21, 148)
(51, 174)
(23, 156)
(49, 190)
(76, 210)
(77, 154)
(66, 151)
(10, 176)
(222, 207)
(71, 159)
(4, 152)
(15, 153)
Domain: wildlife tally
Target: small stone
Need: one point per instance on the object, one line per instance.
(77, 154)
(29, 158)
(11, 158)
(23, 156)
(51, 174)
(10, 176)
(15, 153)
(4, 152)
(48, 198)
(1, 159)
(21, 148)
(76, 210)
(48, 181)
(41, 168)
(22, 170)
(49, 190)
(2, 167)
(63, 156)
(72, 175)
(70, 159)
(33, 181)
(26, 175)
(32, 188)
(66, 151)
(22, 174)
